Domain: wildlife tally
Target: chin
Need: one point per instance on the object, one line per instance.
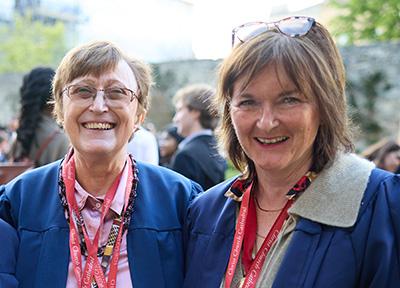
(100, 150)
(271, 165)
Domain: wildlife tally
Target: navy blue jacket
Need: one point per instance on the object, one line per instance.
(200, 161)
(365, 254)
(31, 204)
(8, 255)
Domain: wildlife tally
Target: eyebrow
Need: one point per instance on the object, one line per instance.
(289, 92)
(93, 82)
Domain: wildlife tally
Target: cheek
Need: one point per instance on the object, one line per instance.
(241, 124)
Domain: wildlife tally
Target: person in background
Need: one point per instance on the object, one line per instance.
(388, 156)
(197, 157)
(4, 145)
(306, 211)
(168, 142)
(39, 138)
(98, 218)
(385, 154)
(143, 146)
(8, 255)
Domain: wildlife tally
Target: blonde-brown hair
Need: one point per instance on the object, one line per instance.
(199, 97)
(313, 63)
(94, 59)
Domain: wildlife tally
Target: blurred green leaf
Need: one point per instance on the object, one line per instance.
(366, 20)
(27, 43)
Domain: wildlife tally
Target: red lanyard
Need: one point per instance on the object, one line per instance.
(245, 233)
(92, 268)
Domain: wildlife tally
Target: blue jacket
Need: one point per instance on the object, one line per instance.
(363, 252)
(200, 161)
(8, 255)
(31, 204)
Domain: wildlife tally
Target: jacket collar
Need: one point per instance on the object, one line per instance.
(334, 197)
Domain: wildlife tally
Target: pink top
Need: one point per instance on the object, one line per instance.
(91, 212)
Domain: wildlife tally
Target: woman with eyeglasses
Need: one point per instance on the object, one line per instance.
(305, 211)
(98, 218)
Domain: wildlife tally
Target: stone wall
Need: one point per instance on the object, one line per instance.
(361, 62)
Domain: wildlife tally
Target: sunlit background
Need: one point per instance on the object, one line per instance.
(164, 30)
(185, 40)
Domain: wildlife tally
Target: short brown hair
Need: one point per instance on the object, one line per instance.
(199, 97)
(94, 59)
(313, 63)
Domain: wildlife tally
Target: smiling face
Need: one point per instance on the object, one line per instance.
(275, 124)
(96, 129)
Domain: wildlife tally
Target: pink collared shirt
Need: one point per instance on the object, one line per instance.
(91, 212)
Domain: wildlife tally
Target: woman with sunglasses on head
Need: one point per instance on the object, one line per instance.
(305, 212)
(98, 218)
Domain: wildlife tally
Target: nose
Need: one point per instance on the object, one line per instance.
(267, 118)
(99, 103)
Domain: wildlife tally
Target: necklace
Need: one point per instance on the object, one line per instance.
(79, 220)
(266, 210)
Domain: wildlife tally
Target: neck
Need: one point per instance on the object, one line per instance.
(196, 127)
(272, 186)
(97, 175)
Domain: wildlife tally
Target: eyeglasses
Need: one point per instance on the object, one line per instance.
(114, 96)
(294, 26)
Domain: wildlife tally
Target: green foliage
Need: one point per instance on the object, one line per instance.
(27, 43)
(231, 171)
(366, 20)
(363, 96)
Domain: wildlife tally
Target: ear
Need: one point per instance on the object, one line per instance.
(196, 113)
(139, 118)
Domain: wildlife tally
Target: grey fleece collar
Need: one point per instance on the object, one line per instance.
(334, 197)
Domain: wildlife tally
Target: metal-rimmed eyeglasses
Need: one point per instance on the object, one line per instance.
(294, 26)
(84, 95)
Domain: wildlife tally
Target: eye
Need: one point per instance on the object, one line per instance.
(246, 104)
(291, 98)
(82, 91)
(116, 93)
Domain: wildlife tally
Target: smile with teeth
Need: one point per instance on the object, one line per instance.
(272, 140)
(98, 125)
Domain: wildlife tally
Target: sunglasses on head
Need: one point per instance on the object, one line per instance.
(294, 26)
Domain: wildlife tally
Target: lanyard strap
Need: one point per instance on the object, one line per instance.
(92, 269)
(253, 272)
(245, 234)
(238, 238)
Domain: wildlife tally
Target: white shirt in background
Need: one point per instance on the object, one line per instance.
(143, 146)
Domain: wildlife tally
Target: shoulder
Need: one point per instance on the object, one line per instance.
(162, 197)
(202, 140)
(215, 195)
(212, 214)
(212, 203)
(159, 177)
(383, 185)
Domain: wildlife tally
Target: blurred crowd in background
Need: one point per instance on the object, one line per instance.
(33, 137)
